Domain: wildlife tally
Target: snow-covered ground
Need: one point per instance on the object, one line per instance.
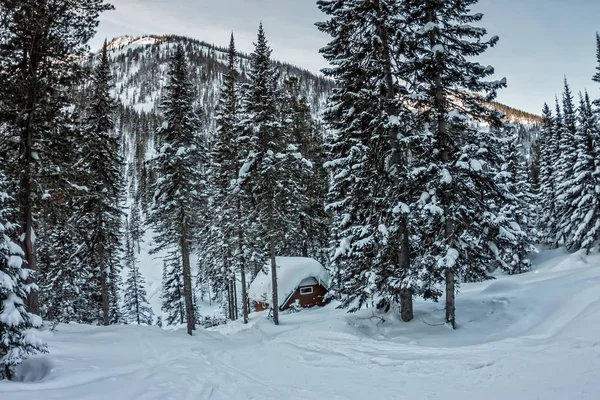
(533, 336)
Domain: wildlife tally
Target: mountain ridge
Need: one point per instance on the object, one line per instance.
(124, 42)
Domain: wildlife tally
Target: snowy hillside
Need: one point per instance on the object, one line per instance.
(140, 65)
(531, 336)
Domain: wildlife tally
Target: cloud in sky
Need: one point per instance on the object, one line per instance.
(540, 40)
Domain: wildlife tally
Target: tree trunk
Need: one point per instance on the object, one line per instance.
(104, 290)
(304, 238)
(406, 305)
(187, 279)
(26, 189)
(450, 306)
(275, 304)
(242, 262)
(235, 300)
(229, 300)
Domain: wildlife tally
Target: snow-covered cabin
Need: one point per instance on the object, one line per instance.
(298, 278)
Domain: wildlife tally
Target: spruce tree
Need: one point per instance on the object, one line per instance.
(549, 152)
(136, 307)
(100, 207)
(228, 231)
(16, 343)
(372, 189)
(514, 242)
(583, 194)
(269, 157)
(309, 232)
(179, 203)
(462, 198)
(39, 73)
(565, 165)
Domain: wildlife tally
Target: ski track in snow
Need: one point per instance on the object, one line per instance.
(531, 336)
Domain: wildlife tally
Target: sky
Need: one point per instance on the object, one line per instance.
(541, 41)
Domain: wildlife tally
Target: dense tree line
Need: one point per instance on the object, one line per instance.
(569, 213)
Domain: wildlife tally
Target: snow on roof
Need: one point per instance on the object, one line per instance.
(290, 272)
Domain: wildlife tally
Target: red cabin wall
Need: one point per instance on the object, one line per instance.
(316, 298)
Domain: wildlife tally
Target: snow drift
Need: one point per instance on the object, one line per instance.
(523, 337)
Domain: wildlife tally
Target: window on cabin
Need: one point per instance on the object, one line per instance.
(306, 290)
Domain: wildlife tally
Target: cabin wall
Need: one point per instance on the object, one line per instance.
(308, 300)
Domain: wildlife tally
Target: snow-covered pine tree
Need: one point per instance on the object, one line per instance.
(514, 242)
(179, 205)
(583, 194)
(564, 166)
(173, 298)
(309, 231)
(136, 308)
(269, 157)
(369, 152)
(16, 343)
(100, 207)
(229, 233)
(39, 74)
(549, 152)
(461, 198)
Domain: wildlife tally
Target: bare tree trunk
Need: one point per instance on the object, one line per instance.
(187, 279)
(450, 296)
(104, 290)
(235, 300)
(242, 263)
(229, 300)
(275, 304)
(406, 305)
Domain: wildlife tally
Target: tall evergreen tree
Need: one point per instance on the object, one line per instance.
(565, 165)
(178, 206)
(583, 193)
(460, 209)
(516, 243)
(269, 157)
(226, 163)
(40, 66)
(369, 152)
(309, 230)
(100, 206)
(550, 151)
(15, 342)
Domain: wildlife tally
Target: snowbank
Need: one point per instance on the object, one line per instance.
(523, 337)
(290, 272)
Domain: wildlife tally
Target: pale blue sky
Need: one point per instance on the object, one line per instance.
(540, 40)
